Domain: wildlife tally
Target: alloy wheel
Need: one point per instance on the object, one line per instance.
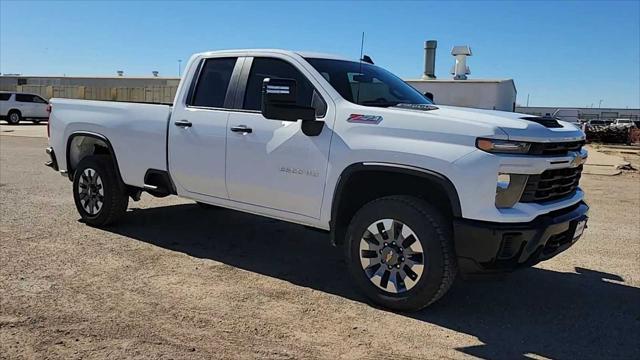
(391, 256)
(91, 191)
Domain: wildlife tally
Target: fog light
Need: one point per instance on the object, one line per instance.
(509, 188)
(503, 182)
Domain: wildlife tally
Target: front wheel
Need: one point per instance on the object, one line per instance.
(99, 194)
(400, 253)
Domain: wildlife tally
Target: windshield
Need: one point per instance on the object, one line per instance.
(366, 84)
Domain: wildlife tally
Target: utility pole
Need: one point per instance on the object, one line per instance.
(179, 67)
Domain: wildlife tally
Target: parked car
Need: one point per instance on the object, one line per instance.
(415, 193)
(16, 106)
(627, 123)
(593, 123)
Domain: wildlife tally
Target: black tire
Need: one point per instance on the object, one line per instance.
(36, 121)
(114, 195)
(432, 232)
(14, 117)
(207, 206)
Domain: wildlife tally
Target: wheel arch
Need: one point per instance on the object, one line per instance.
(436, 187)
(88, 143)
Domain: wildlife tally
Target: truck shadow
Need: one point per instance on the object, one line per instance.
(587, 314)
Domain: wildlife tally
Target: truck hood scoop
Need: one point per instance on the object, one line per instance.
(546, 121)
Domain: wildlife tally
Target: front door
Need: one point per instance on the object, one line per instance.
(276, 165)
(198, 130)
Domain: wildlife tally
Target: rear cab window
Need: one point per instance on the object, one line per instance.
(211, 87)
(263, 67)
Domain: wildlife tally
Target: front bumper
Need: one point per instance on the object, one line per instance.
(52, 163)
(486, 247)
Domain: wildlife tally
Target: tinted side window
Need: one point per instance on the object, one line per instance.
(24, 98)
(4, 97)
(39, 100)
(274, 68)
(213, 83)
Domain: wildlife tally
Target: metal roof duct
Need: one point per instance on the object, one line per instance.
(430, 59)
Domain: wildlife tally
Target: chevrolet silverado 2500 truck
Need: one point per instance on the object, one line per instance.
(416, 193)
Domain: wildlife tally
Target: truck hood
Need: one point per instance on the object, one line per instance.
(514, 125)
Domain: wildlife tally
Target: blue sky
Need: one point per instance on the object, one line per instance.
(561, 53)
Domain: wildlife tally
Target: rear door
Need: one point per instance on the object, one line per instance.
(198, 129)
(26, 105)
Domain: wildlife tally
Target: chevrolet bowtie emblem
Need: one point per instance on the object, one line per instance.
(577, 160)
(389, 256)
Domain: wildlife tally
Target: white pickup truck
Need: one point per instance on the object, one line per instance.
(416, 193)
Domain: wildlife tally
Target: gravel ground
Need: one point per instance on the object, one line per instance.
(175, 281)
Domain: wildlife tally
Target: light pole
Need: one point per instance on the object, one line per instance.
(527, 100)
(600, 104)
(179, 67)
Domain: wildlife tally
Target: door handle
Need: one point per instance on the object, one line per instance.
(242, 129)
(183, 123)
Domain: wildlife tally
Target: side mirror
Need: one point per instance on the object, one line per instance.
(279, 101)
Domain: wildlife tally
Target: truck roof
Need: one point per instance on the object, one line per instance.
(249, 52)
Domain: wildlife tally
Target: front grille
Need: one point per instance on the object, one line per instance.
(559, 148)
(551, 185)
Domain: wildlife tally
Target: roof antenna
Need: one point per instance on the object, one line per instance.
(360, 72)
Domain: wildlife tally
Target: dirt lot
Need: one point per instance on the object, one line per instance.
(175, 281)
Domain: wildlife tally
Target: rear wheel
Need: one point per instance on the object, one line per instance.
(14, 117)
(99, 194)
(400, 253)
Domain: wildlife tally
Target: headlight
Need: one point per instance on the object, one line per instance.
(503, 146)
(509, 189)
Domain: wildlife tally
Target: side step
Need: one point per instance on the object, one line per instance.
(158, 183)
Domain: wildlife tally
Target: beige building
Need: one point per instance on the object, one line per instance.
(118, 88)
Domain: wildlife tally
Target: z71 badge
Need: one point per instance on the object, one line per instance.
(364, 119)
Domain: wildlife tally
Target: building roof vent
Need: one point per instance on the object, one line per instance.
(429, 60)
(460, 70)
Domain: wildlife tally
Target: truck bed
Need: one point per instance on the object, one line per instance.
(137, 130)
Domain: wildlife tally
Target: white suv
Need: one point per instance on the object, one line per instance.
(626, 123)
(15, 107)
